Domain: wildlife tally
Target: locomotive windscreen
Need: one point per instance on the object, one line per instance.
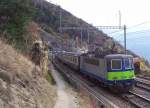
(128, 63)
(116, 64)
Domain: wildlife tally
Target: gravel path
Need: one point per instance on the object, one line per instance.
(64, 98)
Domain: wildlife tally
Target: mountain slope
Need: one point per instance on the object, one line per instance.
(48, 18)
(20, 84)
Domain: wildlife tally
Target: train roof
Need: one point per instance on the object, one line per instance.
(73, 53)
(118, 56)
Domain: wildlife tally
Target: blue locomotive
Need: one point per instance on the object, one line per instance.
(115, 71)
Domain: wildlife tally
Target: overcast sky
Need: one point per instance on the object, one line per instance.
(105, 12)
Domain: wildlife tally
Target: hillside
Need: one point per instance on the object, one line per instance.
(15, 28)
(48, 18)
(21, 86)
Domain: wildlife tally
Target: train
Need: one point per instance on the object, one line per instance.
(115, 71)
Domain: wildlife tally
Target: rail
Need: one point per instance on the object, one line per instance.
(143, 83)
(136, 99)
(103, 102)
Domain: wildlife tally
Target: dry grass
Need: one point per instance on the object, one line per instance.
(22, 77)
(20, 68)
(14, 62)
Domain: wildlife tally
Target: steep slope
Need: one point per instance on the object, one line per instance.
(48, 18)
(21, 85)
(15, 15)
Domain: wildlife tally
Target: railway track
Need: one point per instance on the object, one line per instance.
(104, 102)
(143, 84)
(144, 77)
(136, 99)
(133, 98)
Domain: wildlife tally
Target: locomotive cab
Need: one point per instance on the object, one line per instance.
(120, 70)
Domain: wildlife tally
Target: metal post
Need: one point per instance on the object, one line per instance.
(60, 22)
(88, 36)
(120, 19)
(60, 26)
(125, 39)
(81, 37)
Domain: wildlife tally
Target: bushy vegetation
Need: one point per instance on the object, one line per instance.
(14, 16)
(49, 77)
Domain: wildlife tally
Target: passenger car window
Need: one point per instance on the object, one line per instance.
(116, 64)
(128, 63)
